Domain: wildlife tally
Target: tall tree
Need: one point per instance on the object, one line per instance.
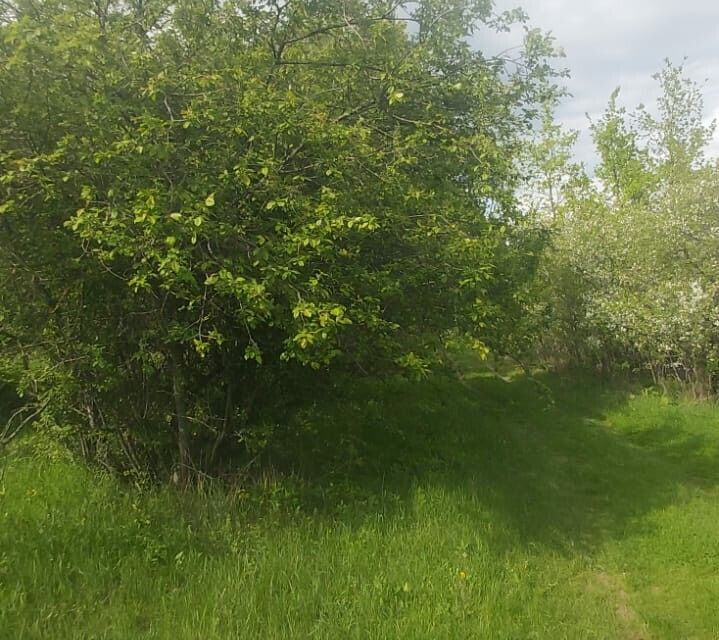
(644, 241)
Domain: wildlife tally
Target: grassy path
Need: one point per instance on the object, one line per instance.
(474, 510)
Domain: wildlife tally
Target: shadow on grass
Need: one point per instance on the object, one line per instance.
(542, 456)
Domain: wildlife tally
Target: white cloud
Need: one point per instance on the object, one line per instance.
(612, 43)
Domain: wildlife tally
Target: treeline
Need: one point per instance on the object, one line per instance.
(630, 278)
(208, 210)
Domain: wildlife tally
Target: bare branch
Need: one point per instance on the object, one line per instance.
(11, 430)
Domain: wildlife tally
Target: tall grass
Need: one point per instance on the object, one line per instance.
(474, 508)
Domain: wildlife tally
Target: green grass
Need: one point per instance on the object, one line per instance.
(446, 509)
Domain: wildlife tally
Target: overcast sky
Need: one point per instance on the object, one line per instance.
(611, 43)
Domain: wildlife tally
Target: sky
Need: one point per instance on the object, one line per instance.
(622, 43)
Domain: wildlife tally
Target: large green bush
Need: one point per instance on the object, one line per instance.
(205, 207)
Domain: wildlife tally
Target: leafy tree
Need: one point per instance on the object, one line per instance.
(549, 168)
(638, 250)
(206, 207)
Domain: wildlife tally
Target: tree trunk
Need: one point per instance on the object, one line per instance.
(183, 432)
(226, 423)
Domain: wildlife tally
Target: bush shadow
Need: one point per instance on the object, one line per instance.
(541, 455)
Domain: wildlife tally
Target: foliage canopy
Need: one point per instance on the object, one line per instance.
(201, 202)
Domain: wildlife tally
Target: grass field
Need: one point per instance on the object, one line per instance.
(457, 509)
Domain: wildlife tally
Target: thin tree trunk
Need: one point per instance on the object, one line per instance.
(226, 423)
(183, 430)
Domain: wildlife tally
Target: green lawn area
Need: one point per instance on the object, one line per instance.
(473, 508)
